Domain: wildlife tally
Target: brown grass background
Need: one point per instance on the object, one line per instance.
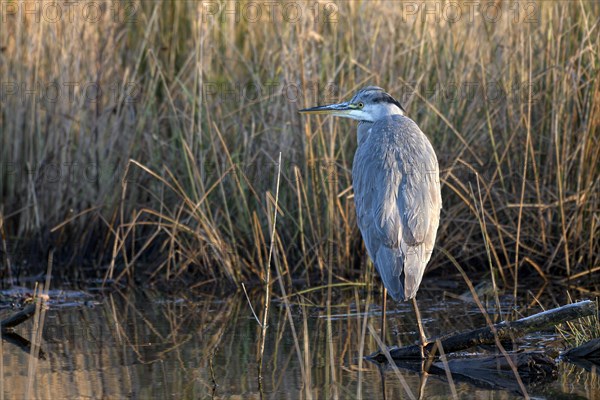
(170, 171)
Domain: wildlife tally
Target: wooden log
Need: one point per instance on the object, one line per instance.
(503, 331)
(18, 317)
(10, 336)
(589, 350)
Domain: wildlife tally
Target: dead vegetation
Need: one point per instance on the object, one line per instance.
(157, 154)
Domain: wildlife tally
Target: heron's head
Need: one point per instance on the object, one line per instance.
(368, 104)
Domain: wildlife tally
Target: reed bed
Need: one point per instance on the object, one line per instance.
(144, 136)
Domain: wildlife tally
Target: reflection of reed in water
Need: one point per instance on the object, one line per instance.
(141, 344)
(129, 345)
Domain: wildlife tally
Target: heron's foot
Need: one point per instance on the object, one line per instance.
(422, 348)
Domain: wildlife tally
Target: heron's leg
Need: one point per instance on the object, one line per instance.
(383, 312)
(422, 385)
(382, 376)
(422, 337)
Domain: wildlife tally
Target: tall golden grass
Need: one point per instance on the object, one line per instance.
(170, 171)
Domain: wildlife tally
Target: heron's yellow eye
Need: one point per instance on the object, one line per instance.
(360, 105)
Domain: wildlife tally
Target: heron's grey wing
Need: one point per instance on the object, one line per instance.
(397, 200)
(381, 240)
(419, 201)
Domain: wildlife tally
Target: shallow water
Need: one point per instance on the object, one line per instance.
(143, 345)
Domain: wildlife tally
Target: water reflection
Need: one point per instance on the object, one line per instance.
(144, 345)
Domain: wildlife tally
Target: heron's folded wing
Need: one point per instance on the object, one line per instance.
(376, 180)
(396, 183)
(418, 199)
(396, 194)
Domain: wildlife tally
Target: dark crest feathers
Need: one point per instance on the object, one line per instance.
(383, 97)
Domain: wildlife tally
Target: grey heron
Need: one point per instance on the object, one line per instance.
(395, 177)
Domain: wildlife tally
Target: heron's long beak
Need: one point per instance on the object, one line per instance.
(331, 109)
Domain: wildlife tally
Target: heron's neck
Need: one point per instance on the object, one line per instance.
(364, 128)
(393, 109)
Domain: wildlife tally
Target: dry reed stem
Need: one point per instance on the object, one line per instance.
(267, 281)
(40, 296)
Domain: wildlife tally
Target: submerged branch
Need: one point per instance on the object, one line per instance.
(491, 372)
(502, 331)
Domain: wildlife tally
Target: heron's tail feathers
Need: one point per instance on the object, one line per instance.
(400, 271)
